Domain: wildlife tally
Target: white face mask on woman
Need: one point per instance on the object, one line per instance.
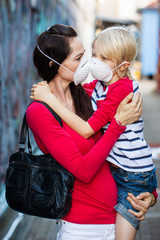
(81, 72)
(102, 71)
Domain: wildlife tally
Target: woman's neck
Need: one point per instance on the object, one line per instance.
(62, 91)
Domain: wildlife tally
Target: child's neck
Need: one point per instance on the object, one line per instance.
(114, 79)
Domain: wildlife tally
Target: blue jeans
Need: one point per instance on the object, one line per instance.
(132, 182)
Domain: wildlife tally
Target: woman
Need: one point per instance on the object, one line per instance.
(92, 215)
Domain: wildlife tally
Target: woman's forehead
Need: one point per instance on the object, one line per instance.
(76, 46)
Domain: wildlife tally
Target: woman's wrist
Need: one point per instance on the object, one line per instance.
(154, 198)
(120, 119)
(119, 123)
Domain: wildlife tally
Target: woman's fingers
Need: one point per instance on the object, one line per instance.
(141, 218)
(138, 103)
(143, 199)
(142, 203)
(137, 204)
(141, 196)
(127, 99)
(137, 98)
(138, 215)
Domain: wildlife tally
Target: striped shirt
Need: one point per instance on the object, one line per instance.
(130, 152)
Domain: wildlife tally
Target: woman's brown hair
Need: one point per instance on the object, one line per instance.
(55, 42)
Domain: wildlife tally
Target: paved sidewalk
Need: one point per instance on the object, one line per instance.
(34, 228)
(151, 113)
(150, 227)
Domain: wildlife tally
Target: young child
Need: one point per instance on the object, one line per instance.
(113, 51)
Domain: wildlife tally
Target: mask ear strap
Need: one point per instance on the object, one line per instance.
(53, 59)
(119, 65)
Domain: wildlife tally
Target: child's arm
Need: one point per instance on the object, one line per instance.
(101, 116)
(43, 93)
(107, 108)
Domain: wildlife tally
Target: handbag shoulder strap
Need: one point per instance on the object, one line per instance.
(25, 130)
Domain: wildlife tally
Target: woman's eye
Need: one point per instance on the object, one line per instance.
(104, 58)
(78, 59)
(93, 55)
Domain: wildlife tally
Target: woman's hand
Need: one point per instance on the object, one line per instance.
(142, 203)
(40, 91)
(129, 111)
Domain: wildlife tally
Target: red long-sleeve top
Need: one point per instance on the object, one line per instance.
(95, 191)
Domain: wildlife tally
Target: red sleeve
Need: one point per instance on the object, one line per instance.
(108, 107)
(62, 147)
(89, 87)
(155, 194)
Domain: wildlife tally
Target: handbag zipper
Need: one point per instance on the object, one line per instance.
(35, 166)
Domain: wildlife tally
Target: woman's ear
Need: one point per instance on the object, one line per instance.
(50, 63)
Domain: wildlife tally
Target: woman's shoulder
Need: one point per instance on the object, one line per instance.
(37, 111)
(35, 108)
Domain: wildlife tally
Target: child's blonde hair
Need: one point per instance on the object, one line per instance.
(118, 44)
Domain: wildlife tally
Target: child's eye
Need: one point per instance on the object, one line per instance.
(104, 58)
(93, 55)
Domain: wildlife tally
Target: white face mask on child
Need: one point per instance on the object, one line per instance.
(102, 71)
(81, 72)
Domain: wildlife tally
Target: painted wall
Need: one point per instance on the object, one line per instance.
(19, 25)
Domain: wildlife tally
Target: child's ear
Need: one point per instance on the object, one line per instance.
(124, 66)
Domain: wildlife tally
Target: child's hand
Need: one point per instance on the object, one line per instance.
(40, 91)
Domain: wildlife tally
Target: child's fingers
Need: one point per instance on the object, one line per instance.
(32, 95)
(42, 83)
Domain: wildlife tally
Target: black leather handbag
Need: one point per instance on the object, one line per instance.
(37, 184)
